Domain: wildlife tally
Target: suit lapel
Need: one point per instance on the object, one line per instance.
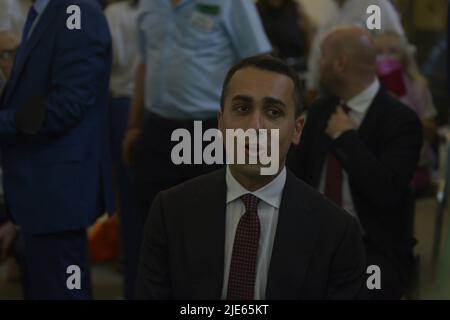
(206, 257)
(294, 243)
(370, 120)
(42, 25)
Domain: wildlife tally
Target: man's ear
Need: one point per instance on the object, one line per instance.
(299, 124)
(341, 62)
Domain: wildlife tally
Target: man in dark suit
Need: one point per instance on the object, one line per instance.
(360, 147)
(54, 146)
(238, 234)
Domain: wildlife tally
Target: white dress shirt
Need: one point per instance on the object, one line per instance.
(358, 105)
(352, 13)
(268, 207)
(122, 20)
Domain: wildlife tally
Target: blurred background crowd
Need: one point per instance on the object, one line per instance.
(412, 53)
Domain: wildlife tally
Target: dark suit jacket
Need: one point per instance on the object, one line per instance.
(380, 159)
(53, 123)
(317, 252)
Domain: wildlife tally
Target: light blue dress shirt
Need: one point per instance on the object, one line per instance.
(189, 49)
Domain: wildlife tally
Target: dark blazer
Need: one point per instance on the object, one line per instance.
(317, 252)
(53, 123)
(380, 159)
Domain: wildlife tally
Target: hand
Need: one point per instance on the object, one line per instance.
(338, 123)
(8, 233)
(129, 141)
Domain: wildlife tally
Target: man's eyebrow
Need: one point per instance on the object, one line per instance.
(241, 97)
(271, 100)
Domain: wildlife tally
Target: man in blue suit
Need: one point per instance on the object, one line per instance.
(53, 138)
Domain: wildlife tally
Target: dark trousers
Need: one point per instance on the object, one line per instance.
(48, 260)
(154, 170)
(129, 222)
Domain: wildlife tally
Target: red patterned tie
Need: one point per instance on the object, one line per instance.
(333, 183)
(241, 281)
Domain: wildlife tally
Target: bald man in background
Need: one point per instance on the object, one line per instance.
(345, 13)
(360, 148)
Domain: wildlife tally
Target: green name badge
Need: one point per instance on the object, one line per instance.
(210, 9)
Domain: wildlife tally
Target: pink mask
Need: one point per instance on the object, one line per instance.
(387, 66)
(390, 72)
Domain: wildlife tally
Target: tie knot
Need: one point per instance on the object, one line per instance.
(250, 202)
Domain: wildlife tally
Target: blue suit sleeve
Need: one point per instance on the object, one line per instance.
(81, 59)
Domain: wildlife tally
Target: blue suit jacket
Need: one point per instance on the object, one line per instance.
(59, 178)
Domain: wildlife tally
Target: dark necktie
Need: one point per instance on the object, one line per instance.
(333, 182)
(32, 15)
(241, 281)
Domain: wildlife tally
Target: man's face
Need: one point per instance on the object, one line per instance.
(259, 99)
(8, 48)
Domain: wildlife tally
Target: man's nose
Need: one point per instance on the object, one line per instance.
(256, 120)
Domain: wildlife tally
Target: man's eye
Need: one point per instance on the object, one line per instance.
(242, 108)
(274, 113)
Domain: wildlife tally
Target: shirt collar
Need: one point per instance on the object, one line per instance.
(271, 193)
(361, 102)
(40, 6)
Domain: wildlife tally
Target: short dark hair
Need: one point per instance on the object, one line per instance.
(268, 63)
